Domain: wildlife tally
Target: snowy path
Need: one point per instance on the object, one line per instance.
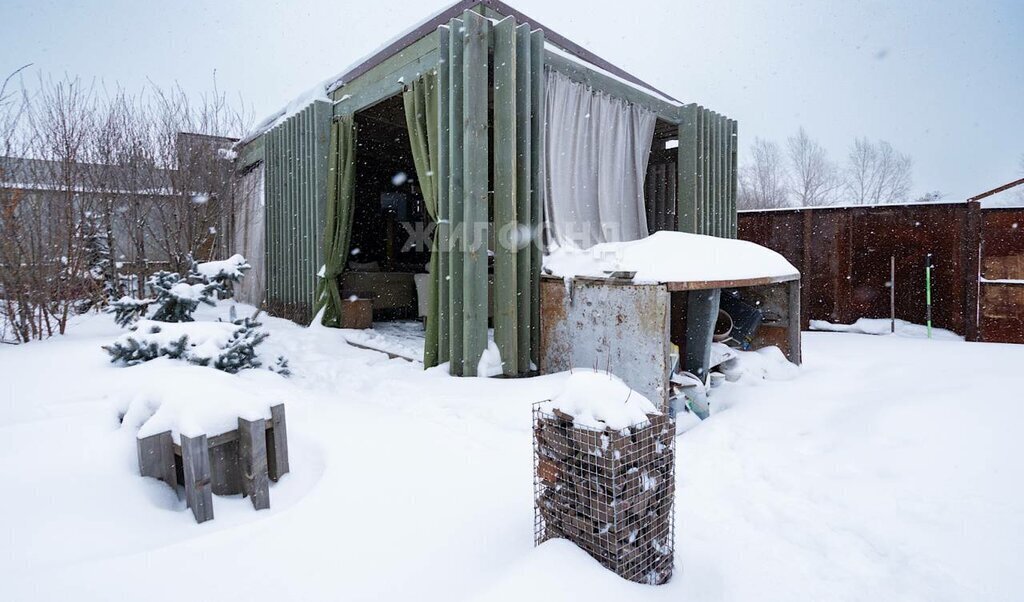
(890, 469)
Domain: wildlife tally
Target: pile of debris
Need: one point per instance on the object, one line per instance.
(609, 490)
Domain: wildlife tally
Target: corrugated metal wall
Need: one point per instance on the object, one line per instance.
(707, 173)
(296, 193)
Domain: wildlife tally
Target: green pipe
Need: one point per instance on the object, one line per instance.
(928, 292)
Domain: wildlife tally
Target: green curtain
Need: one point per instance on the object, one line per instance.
(421, 99)
(341, 179)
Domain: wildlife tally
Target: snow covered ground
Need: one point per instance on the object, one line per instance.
(889, 469)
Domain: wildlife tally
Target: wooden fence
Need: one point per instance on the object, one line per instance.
(843, 254)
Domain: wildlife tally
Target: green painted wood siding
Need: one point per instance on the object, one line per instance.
(295, 155)
(707, 173)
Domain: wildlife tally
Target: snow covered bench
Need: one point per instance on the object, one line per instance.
(242, 460)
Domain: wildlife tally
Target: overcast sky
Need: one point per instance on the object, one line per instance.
(941, 80)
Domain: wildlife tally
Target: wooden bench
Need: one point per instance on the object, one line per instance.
(239, 461)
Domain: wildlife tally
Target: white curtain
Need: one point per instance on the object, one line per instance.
(249, 237)
(595, 162)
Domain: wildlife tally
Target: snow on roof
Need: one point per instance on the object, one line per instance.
(322, 90)
(645, 89)
(672, 257)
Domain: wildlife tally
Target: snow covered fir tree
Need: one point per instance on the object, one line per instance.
(172, 330)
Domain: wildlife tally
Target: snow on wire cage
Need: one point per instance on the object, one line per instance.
(609, 492)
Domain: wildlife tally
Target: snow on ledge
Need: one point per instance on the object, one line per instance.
(599, 400)
(672, 257)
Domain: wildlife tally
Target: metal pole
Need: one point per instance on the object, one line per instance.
(892, 293)
(928, 292)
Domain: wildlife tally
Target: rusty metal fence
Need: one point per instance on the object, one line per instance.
(843, 254)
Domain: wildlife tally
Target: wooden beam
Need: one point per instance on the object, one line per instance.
(506, 272)
(456, 192)
(524, 182)
(277, 444)
(252, 459)
(537, 95)
(442, 234)
(694, 285)
(475, 168)
(366, 93)
(687, 160)
(195, 459)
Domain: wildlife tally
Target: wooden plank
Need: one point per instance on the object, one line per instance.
(196, 468)
(733, 178)
(456, 192)
(687, 160)
(156, 458)
(695, 285)
(410, 54)
(225, 475)
(369, 93)
(475, 169)
(537, 95)
(506, 272)
(252, 152)
(252, 459)
(277, 444)
(524, 182)
(443, 207)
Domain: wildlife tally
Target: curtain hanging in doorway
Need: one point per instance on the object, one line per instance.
(341, 177)
(420, 99)
(596, 154)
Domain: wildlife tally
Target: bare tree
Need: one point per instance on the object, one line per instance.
(813, 178)
(877, 173)
(144, 175)
(762, 181)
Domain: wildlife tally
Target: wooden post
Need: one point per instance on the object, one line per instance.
(793, 326)
(277, 444)
(475, 157)
(506, 271)
(537, 92)
(686, 199)
(252, 459)
(701, 315)
(456, 192)
(156, 458)
(442, 233)
(524, 181)
(195, 458)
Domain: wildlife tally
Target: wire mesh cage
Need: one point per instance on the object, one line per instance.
(609, 492)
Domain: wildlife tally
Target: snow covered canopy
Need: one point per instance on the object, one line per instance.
(673, 257)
